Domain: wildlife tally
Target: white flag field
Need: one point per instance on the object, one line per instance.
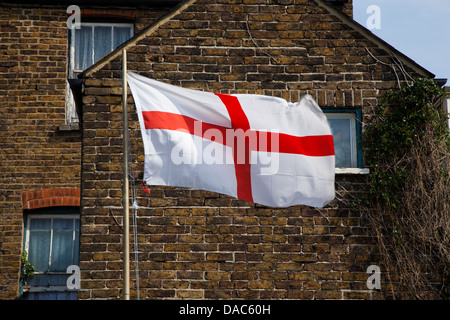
(255, 148)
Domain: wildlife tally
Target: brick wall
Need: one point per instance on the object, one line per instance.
(345, 6)
(34, 153)
(197, 244)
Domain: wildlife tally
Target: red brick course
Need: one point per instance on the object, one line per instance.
(51, 197)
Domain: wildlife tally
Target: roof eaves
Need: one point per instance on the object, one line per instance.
(378, 41)
(136, 38)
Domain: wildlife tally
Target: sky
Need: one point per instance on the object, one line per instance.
(420, 29)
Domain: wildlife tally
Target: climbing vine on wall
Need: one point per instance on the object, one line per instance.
(408, 201)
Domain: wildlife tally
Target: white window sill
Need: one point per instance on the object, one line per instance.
(351, 171)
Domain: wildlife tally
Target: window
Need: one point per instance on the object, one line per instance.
(346, 129)
(88, 45)
(52, 243)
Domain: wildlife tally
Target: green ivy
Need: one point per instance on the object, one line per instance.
(27, 269)
(407, 148)
(400, 121)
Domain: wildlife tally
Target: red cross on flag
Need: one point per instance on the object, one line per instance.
(256, 148)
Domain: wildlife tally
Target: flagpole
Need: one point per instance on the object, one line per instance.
(126, 209)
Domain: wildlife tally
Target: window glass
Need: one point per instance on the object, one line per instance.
(344, 137)
(95, 40)
(76, 243)
(39, 243)
(121, 34)
(83, 48)
(62, 245)
(89, 44)
(102, 42)
(52, 243)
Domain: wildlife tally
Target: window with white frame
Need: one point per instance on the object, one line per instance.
(345, 128)
(88, 45)
(52, 244)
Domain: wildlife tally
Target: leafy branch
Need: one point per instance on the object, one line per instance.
(27, 269)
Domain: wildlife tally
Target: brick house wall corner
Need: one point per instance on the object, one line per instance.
(196, 244)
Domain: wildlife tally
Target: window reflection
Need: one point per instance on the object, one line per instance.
(344, 137)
